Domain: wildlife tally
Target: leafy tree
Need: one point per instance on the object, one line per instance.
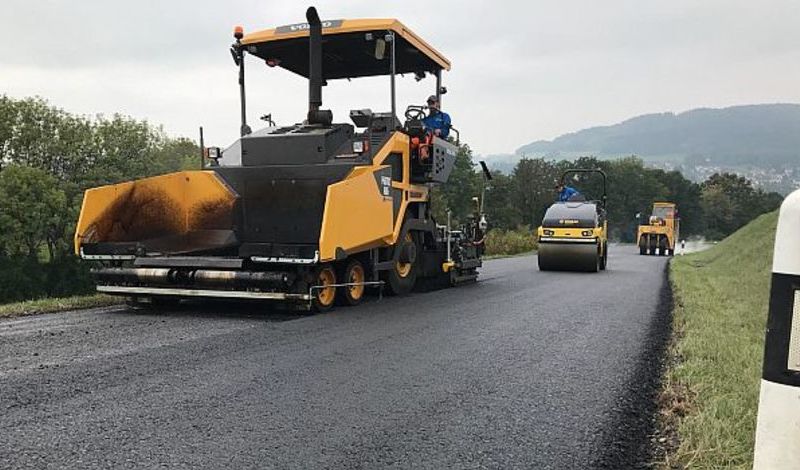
(534, 180)
(687, 195)
(730, 201)
(7, 118)
(463, 185)
(87, 152)
(126, 149)
(32, 210)
(176, 155)
(632, 189)
(499, 203)
(48, 157)
(720, 212)
(32, 133)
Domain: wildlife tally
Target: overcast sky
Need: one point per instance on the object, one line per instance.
(522, 71)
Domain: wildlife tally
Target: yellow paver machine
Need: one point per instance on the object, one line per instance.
(310, 214)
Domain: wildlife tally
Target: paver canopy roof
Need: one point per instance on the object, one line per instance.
(349, 49)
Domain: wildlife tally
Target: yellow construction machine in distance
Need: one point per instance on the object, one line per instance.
(574, 233)
(661, 232)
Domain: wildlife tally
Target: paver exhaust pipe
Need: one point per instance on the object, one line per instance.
(315, 80)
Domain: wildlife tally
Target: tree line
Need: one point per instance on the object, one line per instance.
(48, 157)
(518, 200)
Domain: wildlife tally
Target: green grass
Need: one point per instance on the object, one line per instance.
(33, 307)
(515, 255)
(502, 243)
(711, 388)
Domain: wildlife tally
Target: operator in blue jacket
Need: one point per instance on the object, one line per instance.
(565, 193)
(437, 121)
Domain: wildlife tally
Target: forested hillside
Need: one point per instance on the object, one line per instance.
(760, 135)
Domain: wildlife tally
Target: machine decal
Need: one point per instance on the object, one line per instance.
(293, 28)
(386, 185)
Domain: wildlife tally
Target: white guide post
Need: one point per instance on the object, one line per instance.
(778, 429)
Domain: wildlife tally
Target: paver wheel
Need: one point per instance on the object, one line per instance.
(353, 273)
(402, 278)
(324, 296)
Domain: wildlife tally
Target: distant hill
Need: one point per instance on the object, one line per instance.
(763, 135)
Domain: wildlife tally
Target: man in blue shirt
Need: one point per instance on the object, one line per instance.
(565, 193)
(437, 121)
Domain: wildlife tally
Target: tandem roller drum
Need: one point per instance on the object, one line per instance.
(568, 257)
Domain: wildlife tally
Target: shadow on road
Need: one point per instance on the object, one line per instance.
(219, 309)
(239, 309)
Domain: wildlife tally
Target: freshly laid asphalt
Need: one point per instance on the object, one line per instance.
(524, 369)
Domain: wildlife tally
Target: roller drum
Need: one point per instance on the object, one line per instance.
(568, 257)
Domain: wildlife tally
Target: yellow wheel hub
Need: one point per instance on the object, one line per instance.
(404, 269)
(356, 276)
(327, 293)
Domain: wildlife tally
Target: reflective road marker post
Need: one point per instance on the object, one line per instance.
(778, 429)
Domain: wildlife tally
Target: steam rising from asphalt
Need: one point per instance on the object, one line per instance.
(691, 246)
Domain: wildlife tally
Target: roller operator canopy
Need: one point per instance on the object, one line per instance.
(350, 49)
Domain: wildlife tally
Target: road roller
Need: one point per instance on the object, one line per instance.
(311, 214)
(574, 233)
(661, 232)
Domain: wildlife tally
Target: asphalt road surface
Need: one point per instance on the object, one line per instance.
(524, 369)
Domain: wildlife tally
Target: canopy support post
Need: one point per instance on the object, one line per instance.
(202, 150)
(245, 129)
(439, 87)
(391, 38)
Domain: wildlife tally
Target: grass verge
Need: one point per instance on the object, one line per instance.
(709, 399)
(503, 243)
(33, 307)
(515, 255)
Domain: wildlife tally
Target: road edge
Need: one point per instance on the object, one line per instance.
(56, 305)
(628, 440)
